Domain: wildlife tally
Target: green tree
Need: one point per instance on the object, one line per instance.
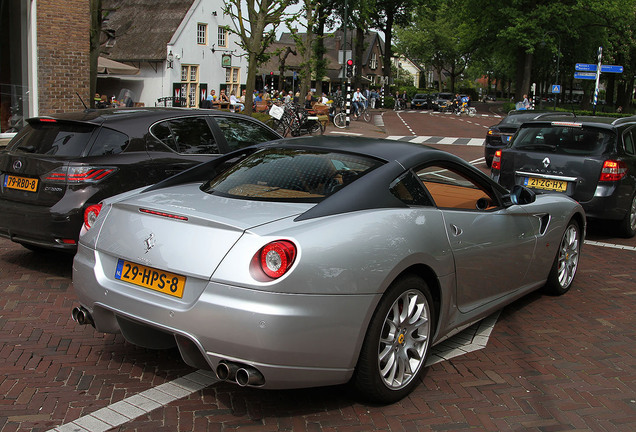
(439, 35)
(386, 14)
(255, 22)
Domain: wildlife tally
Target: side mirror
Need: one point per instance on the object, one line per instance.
(520, 195)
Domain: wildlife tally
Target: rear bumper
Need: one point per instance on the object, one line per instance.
(293, 340)
(610, 201)
(39, 225)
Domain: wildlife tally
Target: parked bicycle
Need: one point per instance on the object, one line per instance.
(292, 119)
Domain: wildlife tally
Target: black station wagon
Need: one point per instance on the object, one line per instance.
(591, 159)
(58, 165)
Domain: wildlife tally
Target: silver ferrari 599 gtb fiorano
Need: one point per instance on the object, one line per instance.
(319, 261)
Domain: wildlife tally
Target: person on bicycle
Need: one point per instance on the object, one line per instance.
(358, 101)
(457, 103)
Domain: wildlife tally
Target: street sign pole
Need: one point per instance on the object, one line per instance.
(598, 76)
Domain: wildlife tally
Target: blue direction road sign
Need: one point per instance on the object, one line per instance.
(556, 88)
(612, 68)
(586, 67)
(585, 75)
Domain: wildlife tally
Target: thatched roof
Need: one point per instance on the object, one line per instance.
(142, 28)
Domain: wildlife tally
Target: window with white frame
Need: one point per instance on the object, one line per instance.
(202, 34)
(190, 84)
(233, 81)
(222, 37)
(374, 61)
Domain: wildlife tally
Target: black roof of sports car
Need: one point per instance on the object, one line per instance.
(371, 192)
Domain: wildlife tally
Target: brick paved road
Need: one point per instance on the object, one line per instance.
(551, 364)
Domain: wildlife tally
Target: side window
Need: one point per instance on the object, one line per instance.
(241, 133)
(188, 135)
(408, 189)
(162, 132)
(109, 142)
(450, 188)
(628, 142)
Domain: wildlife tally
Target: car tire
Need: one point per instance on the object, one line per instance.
(627, 226)
(395, 348)
(566, 261)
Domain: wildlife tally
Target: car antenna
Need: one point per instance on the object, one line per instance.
(80, 98)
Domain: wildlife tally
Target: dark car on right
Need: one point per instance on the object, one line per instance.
(591, 159)
(498, 136)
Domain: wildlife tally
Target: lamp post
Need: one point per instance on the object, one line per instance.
(170, 59)
(558, 58)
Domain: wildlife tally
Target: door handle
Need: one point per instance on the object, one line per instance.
(457, 231)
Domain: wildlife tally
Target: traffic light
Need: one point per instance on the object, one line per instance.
(349, 68)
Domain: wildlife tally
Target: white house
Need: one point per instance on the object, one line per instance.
(181, 48)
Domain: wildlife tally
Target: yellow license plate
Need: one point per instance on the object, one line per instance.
(148, 277)
(546, 184)
(22, 183)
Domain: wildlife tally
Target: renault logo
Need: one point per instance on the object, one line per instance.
(546, 162)
(17, 165)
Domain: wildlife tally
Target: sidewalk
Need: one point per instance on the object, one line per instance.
(373, 129)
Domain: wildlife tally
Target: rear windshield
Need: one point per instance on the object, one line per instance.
(298, 175)
(52, 138)
(584, 141)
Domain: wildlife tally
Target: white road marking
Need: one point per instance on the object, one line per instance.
(610, 245)
(135, 406)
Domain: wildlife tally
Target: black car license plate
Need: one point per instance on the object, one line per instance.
(21, 183)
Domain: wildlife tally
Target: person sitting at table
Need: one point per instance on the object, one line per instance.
(223, 99)
(234, 102)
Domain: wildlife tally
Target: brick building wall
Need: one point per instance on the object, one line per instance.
(63, 43)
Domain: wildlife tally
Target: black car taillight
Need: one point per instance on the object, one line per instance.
(613, 170)
(496, 161)
(78, 174)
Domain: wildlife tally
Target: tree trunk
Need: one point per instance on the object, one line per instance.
(249, 85)
(359, 51)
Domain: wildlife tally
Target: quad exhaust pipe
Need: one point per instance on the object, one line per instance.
(241, 374)
(82, 316)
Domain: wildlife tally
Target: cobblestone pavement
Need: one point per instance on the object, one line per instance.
(550, 364)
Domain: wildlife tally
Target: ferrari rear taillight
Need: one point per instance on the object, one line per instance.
(277, 257)
(90, 215)
(613, 170)
(496, 161)
(78, 174)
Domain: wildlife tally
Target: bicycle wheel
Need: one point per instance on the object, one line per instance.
(472, 112)
(366, 116)
(340, 120)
